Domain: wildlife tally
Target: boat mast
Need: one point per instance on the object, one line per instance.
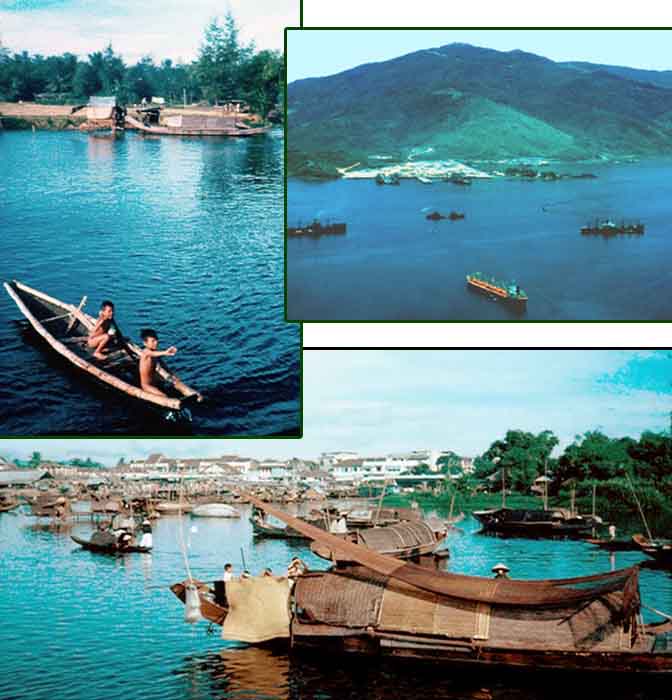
(639, 506)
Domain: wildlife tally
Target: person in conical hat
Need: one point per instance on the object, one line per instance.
(500, 571)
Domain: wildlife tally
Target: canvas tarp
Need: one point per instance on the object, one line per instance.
(503, 592)
(258, 609)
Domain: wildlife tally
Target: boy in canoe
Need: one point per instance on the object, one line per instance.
(148, 360)
(103, 331)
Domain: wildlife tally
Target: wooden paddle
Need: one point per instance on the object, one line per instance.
(74, 314)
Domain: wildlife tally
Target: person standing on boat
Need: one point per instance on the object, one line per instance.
(103, 331)
(148, 360)
(146, 539)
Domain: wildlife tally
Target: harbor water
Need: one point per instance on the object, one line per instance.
(78, 625)
(394, 264)
(185, 236)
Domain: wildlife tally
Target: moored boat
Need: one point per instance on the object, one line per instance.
(65, 328)
(614, 545)
(214, 510)
(406, 540)
(506, 291)
(173, 507)
(384, 607)
(554, 522)
(237, 130)
(659, 550)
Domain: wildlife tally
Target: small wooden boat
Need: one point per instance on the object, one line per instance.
(263, 529)
(6, 506)
(172, 508)
(108, 545)
(213, 608)
(237, 130)
(214, 510)
(66, 327)
(614, 545)
(660, 550)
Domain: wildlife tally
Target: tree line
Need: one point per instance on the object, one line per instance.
(226, 69)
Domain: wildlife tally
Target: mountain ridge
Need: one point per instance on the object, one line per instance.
(453, 99)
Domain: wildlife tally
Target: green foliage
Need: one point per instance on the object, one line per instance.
(522, 455)
(226, 69)
(466, 102)
(221, 60)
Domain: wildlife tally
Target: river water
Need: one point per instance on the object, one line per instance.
(79, 625)
(393, 264)
(184, 235)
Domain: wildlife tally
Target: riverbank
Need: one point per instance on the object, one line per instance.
(31, 115)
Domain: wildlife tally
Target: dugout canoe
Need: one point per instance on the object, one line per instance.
(65, 328)
(109, 547)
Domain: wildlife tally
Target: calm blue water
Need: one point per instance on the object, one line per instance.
(78, 625)
(183, 235)
(393, 264)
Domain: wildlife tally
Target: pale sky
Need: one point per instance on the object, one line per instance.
(380, 401)
(316, 53)
(163, 28)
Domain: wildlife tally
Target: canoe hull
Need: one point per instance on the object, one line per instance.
(65, 328)
(106, 549)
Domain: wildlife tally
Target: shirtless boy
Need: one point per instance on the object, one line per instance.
(148, 360)
(103, 331)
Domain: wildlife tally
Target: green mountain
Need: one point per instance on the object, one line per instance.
(466, 102)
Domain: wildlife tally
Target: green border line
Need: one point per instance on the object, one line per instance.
(302, 27)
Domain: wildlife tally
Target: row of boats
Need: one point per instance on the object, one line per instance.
(371, 602)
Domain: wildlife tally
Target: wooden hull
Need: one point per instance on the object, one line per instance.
(661, 553)
(615, 545)
(50, 318)
(6, 507)
(492, 521)
(453, 653)
(210, 610)
(278, 533)
(107, 549)
(179, 131)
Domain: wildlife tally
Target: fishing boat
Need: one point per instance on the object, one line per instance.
(437, 216)
(236, 129)
(173, 508)
(509, 292)
(536, 522)
(262, 529)
(214, 510)
(614, 545)
(608, 228)
(106, 543)
(317, 229)
(66, 327)
(385, 607)
(407, 540)
(659, 550)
